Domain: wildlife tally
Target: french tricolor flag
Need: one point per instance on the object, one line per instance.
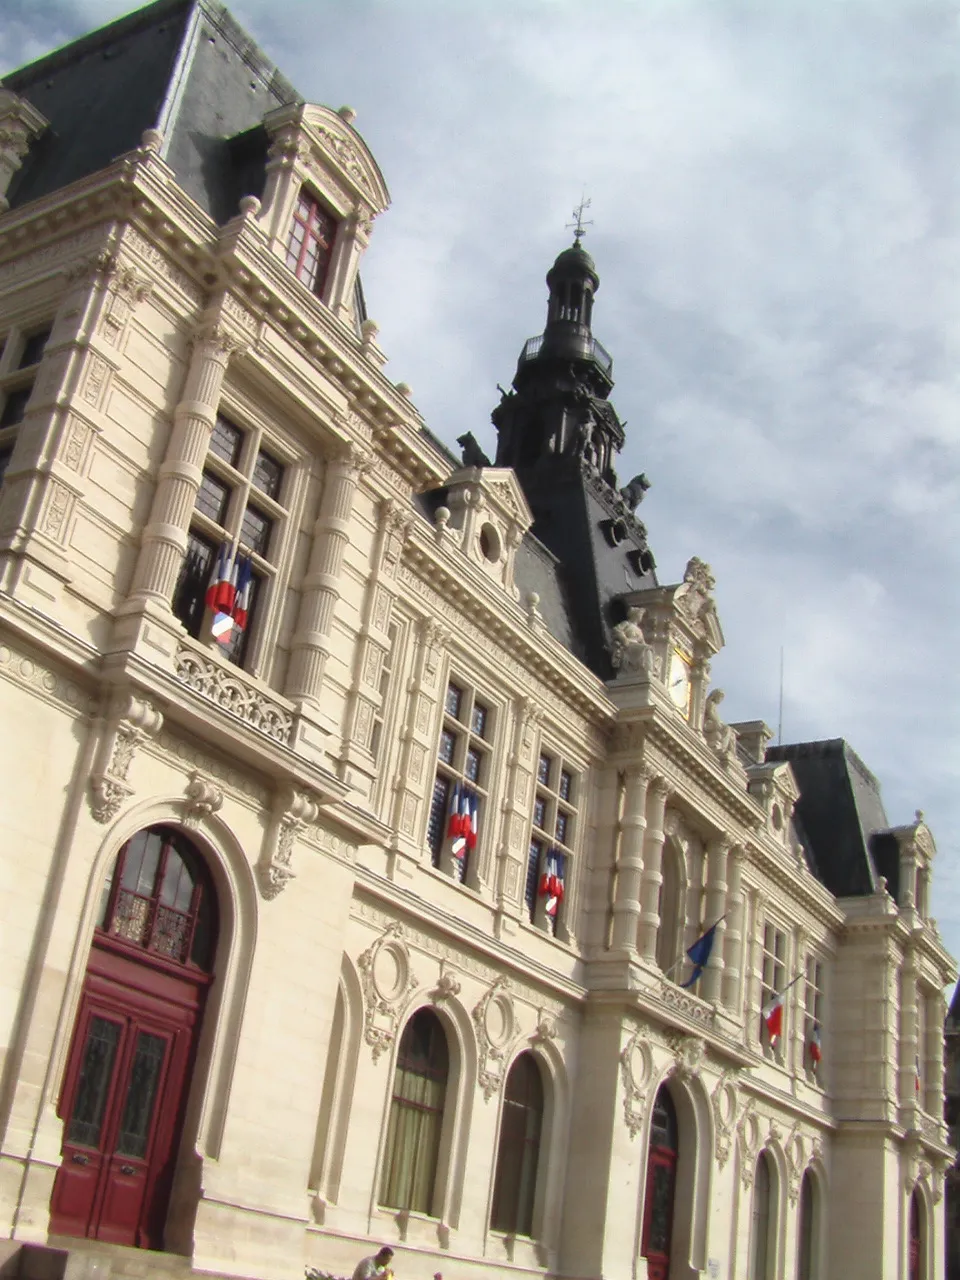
(551, 882)
(244, 588)
(223, 582)
(463, 820)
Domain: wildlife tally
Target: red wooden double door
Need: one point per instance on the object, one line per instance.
(134, 1044)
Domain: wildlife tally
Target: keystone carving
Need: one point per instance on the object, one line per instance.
(688, 1052)
(129, 721)
(447, 988)
(202, 798)
(293, 811)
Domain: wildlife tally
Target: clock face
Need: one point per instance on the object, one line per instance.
(678, 683)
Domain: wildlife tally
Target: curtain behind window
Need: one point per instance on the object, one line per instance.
(416, 1116)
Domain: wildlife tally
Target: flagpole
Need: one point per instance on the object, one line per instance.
(683, 954)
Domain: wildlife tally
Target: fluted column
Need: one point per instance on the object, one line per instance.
(733, 940)
(633, 825)
(651, 878)
(934, 1014)
(716, 905)
(164, 539)
(321, 587)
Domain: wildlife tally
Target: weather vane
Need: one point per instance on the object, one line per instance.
(578, 226)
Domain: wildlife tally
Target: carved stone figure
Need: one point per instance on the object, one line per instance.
(631, 655)
(632, 494)
(471, 454)
(719, 736)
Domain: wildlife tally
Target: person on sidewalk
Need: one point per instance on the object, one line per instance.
(374, 1267)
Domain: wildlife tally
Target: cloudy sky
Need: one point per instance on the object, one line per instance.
(776, 225)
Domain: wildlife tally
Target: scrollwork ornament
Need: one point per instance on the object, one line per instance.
(202, 798)
(386, 981)
(495, 1021)
(129, 721)
(294, 811)
(448, 986)
(725, 1103)
(636, 1071)
(689, 1053)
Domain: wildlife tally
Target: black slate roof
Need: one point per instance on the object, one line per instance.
(184, 66)
(839, 812)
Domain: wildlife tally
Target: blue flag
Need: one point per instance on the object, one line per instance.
(699, 954)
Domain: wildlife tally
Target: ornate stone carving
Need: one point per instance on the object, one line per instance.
(495, 1021)
(447, 988)
(128, 722)
(202, 797)
(689, 1053)
(636, 1071)
(546, 1029)
(293, 812)
(690, 1006)
(719, 736)
(630, 653)
(386, 980)
(749, 1138)
(725, 1102)
(225, 687)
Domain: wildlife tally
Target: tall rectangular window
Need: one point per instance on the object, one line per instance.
(19, 362)
(553, 831)
(239, 502)
(812, 1014)
(772, 983)
(310, 247)
(463, 762)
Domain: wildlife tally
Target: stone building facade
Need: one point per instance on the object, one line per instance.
(370, 922)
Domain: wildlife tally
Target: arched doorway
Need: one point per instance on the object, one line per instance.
(134, 1041)
(415, 1128)
(807, 1235)
(661, 1182)
(760, 1252)
(915, 1256)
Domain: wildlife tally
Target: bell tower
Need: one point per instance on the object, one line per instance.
(561, 435)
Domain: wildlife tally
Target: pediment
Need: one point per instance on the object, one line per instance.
(501, 491)
(338, 145)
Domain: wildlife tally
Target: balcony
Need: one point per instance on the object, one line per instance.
(531, 349)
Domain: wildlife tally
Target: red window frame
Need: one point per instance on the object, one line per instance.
(312, 237)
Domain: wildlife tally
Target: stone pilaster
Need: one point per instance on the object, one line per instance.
(651, 877)
(358, 764)
(733, 941)
(932, 1053)
(716, 905)
(321, 586)
(164, 540)
(44, 483)
(754, 999)
(414, 776)
(909, 1047)
(633, 826)
(512, 857)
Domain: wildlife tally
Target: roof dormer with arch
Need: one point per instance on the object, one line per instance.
(316, 151)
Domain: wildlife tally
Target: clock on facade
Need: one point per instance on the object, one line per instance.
(678, 681)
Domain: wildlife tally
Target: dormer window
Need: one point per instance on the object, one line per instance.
(310, 248)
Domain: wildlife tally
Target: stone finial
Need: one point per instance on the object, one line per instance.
(249, 206)
(404, 389)
(151, 140)
(347, 114)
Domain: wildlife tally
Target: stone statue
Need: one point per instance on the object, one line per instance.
(471, 453)
(632, 494)
(630, 654)
(719, 736)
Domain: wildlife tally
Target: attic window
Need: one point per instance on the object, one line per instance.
(310, 249)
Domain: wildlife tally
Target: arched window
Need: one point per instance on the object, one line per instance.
(806, 1230)
(760, 1252)
(518, 1155)
(158, 898)
(669, 935)
(661, 1182)
(416, 1115)
(916, 1260)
